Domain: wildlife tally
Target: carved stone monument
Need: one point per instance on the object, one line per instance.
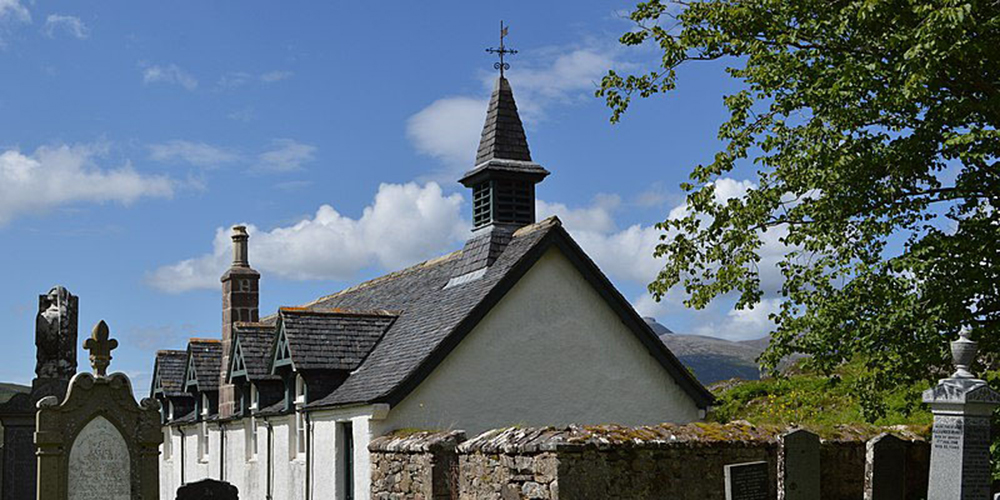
(98, 444)
(960, 444)
(55, 340)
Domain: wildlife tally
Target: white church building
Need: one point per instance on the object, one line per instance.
(518, 327)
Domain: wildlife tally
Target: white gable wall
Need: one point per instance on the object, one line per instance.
(551, 352)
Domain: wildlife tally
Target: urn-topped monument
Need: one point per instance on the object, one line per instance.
(98, 443)
(960, 446)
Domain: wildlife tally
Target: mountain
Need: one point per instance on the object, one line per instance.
(712, 359)
(8, 391)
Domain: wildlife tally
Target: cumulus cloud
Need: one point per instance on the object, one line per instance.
(448, 129)
(626, 255)
(70, 25)
(285, 155)
(198, 154)
(168, 74)
(404, 224)
(58, 175)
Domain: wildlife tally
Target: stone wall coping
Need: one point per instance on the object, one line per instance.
(417, 442)
(534, 440)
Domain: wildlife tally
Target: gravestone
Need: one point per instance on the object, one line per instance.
(55, 342)
(885, 468)
(747, 481)
(960, 444)
(208, 489)
(97, 443)
(798, 466)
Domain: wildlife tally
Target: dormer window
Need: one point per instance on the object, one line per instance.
(254, 398)
(206, 407)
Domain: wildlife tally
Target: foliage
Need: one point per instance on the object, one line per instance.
(816, 401)
(872, 125)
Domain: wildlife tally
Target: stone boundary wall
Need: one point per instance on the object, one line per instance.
(418, 466)
(680, 462)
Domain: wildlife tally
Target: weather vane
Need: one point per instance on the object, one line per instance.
(501, 51)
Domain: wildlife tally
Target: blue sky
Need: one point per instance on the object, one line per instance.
(132, 135)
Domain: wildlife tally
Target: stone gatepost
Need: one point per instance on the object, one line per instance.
(960, 446)
(97, 443)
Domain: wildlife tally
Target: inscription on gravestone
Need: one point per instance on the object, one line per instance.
(747, 481)
(99, 463)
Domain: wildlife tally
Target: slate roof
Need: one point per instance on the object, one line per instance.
(435, 318)
(170, 366)
(255, 342)
(207, 354)
(331, 339)
(503, 145)
(503, 135)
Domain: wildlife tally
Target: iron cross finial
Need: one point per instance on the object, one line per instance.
(501, 51)
(100, 347)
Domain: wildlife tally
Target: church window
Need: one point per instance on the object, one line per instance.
(250, 431)
(203, 442)
(302, 432)
(300, 390)
(167, 445)
(481, 204)
(254, 398)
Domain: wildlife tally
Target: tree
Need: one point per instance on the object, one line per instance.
(873, 127)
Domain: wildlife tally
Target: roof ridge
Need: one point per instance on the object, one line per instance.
(337, 311)
(203, 340)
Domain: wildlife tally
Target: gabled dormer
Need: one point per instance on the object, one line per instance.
(254, 388)
(202, 374)
(168, 384)
(315, 350)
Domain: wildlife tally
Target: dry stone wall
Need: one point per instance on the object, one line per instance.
(418, 466)
(681, 462)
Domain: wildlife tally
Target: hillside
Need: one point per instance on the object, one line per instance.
(8, 391)
(713, 359)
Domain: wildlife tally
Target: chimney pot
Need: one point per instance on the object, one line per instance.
(240, 237)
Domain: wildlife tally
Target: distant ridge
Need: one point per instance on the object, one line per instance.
(712, 359)
(8, 391)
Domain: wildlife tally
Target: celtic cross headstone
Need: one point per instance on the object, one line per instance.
(97, 443)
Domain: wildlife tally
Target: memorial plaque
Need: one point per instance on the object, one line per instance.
(99, 464)
(747, 481)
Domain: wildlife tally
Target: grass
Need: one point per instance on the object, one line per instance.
(814, 401)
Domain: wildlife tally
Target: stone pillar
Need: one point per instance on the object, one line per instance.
(240, 299)
(960, 446)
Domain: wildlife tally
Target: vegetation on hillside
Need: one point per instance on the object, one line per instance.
(815, 401)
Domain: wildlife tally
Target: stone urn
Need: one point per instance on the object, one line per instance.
(963, 354)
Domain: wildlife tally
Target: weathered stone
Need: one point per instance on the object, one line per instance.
(208, 489)
(102, 428)
(885, 468)
(798, 466)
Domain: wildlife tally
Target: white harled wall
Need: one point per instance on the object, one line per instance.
(552, 352)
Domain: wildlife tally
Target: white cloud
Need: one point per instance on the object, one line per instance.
(742, 324)
(12, 10)
(449, 128)
(68, 24)
(235, 79)
(198, 154)
(285, 155)
(170, 74)
(404, 224)
(59, 175)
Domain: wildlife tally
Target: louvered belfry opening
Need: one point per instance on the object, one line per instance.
(504, 176)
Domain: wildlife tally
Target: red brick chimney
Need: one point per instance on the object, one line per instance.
(240, 299)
